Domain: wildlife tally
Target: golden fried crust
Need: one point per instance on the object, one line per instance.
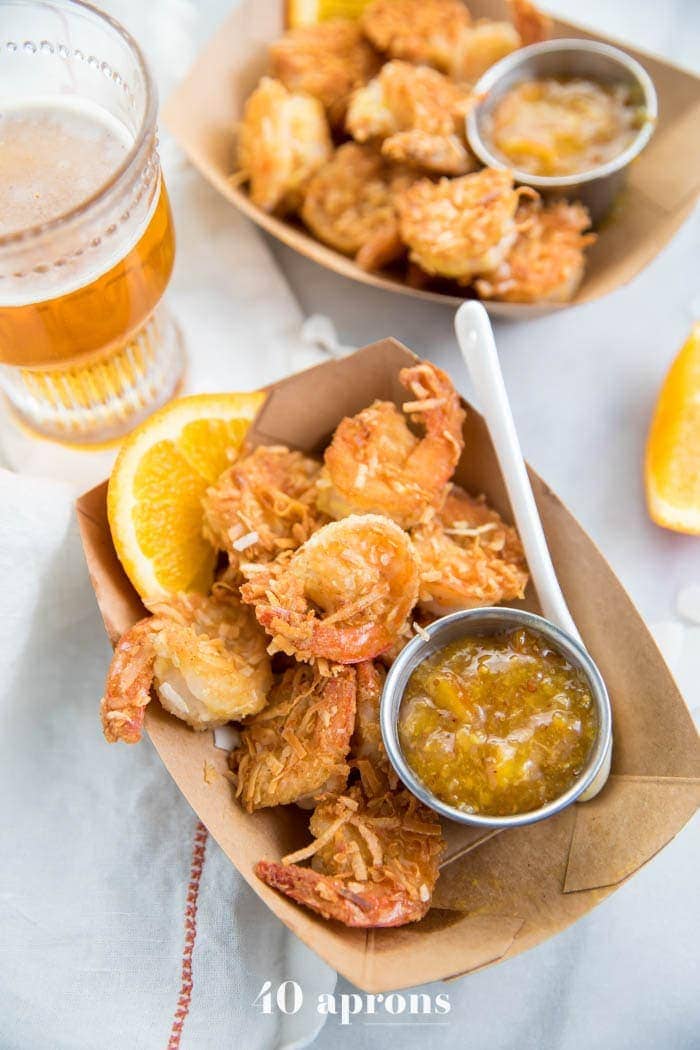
(546, 262)
(459, 227)
(532, 25)
(327, 61)
(350, 204)
(418, 113)
(283, 139)
(424, 31)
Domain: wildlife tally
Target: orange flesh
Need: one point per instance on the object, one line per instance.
(497, 725)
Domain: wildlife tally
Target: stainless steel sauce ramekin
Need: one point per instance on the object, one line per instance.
(484, 621)
(598, 187)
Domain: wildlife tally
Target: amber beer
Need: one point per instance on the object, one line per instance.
(86, 241)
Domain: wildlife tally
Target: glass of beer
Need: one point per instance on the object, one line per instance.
(87, 347)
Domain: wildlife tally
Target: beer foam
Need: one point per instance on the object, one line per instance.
(56, 153)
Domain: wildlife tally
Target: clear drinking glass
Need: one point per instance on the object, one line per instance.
(87, 347)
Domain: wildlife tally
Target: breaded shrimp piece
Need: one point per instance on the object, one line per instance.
(462, 227)
(482, 45)
(283, 139)
(531, 23)
(376, 464)
(349, 205)
(328, 61)
(263, 504)
(547, 261)
(421, 31)
(375, 861)
(205, 657)
(344, 596)
(468, 557)
(296, 747)
(419, 116)
(368, 754)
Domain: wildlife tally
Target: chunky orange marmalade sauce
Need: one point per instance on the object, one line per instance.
(497, 725)
(563, 127)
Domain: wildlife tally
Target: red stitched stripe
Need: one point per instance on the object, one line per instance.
(183, 1003)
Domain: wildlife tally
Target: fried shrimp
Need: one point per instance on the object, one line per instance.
(419, 116)
(462, 227)
(531, 23)
(283, 140)
(344, 596)
(205, 656)
(468, 557)
(368, 754)
(547, 261)
(263, 504)
(376, 464)
(328, 61)
(374, 861)
(421, 31)
(296, 747)
(480, 46)
(350, 205)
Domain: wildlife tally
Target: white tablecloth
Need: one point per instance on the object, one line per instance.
(97, 847)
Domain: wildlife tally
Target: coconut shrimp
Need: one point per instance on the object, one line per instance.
(459, 228)
(283, 139)
(263, 504)
(328, 61)
(428, 32)
(296, 747)
(532, 24)
(205, 657)
(344, 596)
(368, 753)
(468, 557)
(376, 464)
(419, 116)
(547, 261)
(485, 42)
(374, 862)
(350, 205)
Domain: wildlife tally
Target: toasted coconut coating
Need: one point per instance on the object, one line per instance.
(344, 596)
(418, 113)
(547, 261)
(460, 227)
(350, 203)
(328, 61)
(263, 504)
(296, 747)
(283, 139)
(374, 863)
(468, 557)
(422, 31)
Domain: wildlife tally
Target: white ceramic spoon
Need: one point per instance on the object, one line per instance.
(478, 347)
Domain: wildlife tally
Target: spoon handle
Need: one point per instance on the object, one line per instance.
(476, 342)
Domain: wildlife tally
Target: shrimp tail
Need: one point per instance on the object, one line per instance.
(128, 687)
(331, 897)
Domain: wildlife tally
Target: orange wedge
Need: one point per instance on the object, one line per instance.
(156, 488)
(672, 472)
(310, 12)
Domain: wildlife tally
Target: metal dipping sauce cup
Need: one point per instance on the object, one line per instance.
(586, 59)
(485, 621)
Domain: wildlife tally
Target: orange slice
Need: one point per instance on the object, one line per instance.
(310, 12)
(157, 484)
(673, 449)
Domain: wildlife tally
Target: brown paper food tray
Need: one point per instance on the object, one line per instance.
(664, 182)
(497, 895)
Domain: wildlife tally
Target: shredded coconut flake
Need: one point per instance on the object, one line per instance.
(246, 541)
